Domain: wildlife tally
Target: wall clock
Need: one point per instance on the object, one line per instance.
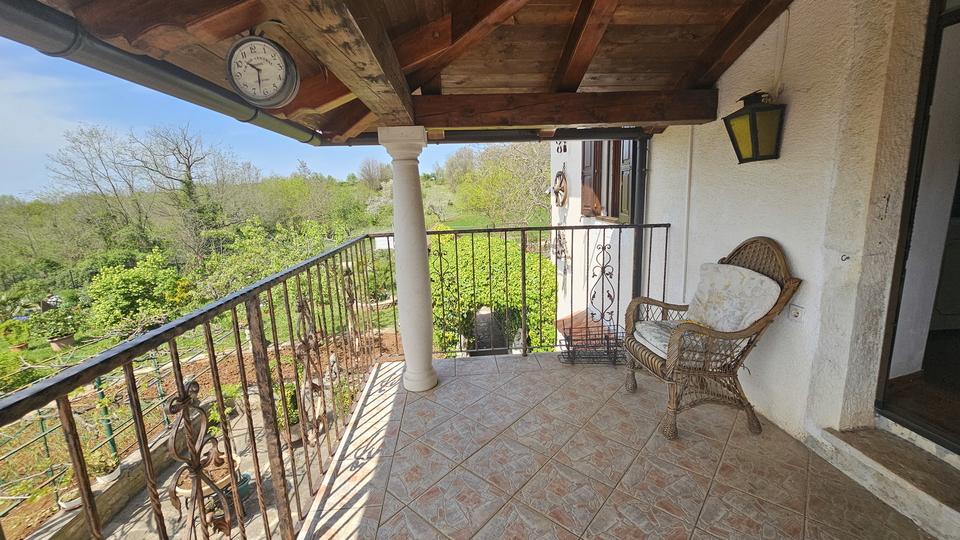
(262, 72)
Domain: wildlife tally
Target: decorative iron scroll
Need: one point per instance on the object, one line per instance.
(603, 289)
(202, 451)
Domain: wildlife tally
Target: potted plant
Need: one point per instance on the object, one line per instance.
(219, 473)
(105, 466)
(70, 499)
(57, 326)
(16, 334)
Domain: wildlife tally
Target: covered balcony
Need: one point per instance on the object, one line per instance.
(368, 393)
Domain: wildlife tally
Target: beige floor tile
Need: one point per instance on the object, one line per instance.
(459, 504)
(623, 516)
(772, 442)
(621, 425)
(446, 367)
(700, 535)
(850, 508)
(714, 421)
(371, 440)
(691, 451)
(594, 388)
(513, 363)
(550, 361)
(495, 412)
(516, 521)
(458, 437)
(348, 524)
(406, 525)
(357, 483)
(568, 497)
(555, 377)
(541, 430)
(571, 406)
(506, 463)
(732, 514)
(526, 390)
(488, 381)
(403, 440)
(644, 401)
(597, 456)
(456, 394)
(476, 365)
(415, 469)
(391, 505)
(665, 486)
(764, 478)
(423, 415)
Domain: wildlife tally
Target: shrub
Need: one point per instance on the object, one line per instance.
(15, 332)
(56, 323)
(150, 290)
(470, 273)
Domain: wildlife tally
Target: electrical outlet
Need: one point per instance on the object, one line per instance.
(795, 313)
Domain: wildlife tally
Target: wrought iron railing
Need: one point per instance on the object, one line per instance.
(228, 388)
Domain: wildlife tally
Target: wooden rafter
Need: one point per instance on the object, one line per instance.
(592, 20)
(607, 109)
(414, 49)
(743, 28)
(470, 22)
(348, 122)
(160, 26)
(349, 37)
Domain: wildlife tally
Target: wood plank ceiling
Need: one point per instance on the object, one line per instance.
(460, 64)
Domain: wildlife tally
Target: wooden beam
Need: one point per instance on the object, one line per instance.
(160, 26)
(470, 22)
(607, 109)
(414, 49)
(743, 28)
(316, 96)
(591, 23)
(348, 121)
(349, 37)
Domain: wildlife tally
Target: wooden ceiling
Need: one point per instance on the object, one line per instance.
(467, 64)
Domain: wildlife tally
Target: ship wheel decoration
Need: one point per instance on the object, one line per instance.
(560, 187)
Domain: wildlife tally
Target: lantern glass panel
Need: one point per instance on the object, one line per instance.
(768, 127)
(740, 128)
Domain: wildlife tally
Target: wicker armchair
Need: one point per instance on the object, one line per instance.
(701, 364)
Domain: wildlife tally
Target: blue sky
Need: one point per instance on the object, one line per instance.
(42, 97)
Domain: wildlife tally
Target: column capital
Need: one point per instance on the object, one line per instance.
(403, 142)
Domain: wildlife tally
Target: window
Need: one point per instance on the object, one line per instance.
(609, 177)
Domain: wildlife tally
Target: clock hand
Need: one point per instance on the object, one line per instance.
(259, 82)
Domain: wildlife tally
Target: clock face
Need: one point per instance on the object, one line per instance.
(262, 72)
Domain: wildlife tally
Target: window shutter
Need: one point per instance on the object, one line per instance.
(590, 179)
(627, 180)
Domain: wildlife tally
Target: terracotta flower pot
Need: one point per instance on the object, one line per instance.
(62, 342)
(18, 348)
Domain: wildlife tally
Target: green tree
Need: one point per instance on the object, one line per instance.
(150, 292)
(509, 186)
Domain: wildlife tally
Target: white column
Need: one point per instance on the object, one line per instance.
(404, 145)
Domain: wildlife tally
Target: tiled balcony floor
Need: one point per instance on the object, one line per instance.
(513, 447)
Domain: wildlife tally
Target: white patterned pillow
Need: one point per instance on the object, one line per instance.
(730, 298)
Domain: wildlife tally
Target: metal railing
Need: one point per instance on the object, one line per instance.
(228, 388)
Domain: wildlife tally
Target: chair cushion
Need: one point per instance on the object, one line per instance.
(655, 335)
(730, 298)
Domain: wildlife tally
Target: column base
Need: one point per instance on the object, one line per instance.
(419, 382)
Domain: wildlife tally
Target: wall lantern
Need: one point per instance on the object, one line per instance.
(756, 129)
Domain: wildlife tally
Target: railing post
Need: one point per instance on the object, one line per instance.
(268, 408)
(523, 292)
(69, 427)
(105, 412)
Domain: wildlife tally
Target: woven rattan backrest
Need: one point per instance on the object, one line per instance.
(763, 255)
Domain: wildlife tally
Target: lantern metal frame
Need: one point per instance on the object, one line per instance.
(752, 104)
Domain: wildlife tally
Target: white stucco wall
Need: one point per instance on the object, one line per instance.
(579, 277)
(850, 72)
